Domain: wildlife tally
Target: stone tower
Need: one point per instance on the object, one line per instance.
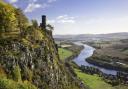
(43, 24)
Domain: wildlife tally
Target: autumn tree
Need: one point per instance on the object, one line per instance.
(22, 19)
(8, 20)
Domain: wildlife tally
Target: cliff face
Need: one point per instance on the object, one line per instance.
(39, 65)
(28, 55)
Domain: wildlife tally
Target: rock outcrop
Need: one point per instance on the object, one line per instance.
(40, 65)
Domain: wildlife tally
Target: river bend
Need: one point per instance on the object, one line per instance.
(86, 53)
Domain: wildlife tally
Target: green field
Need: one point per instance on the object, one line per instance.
(95, 82)
(92, 81)
(63, 53)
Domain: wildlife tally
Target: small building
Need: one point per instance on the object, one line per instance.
(48, 28)
(43, 24)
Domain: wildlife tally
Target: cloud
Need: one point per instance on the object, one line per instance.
(51, 21)
(63, 19)
(50, 1)
(33, 6)
(66, 19)
(13, 1)
(62, 16)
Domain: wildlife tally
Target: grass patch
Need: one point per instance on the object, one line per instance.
(92, 81)
(95, 82)
(63, 53)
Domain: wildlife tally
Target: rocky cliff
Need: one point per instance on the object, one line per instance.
(39, 65)
(28, 55)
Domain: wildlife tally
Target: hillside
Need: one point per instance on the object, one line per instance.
(29, 57)
(92, 37)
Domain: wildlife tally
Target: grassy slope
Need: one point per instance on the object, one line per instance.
(64, 53)
(92, 81)
(95, 82)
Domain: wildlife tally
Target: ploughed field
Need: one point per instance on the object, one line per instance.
(110, 54)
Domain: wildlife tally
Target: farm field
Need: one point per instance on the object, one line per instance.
(63, 53)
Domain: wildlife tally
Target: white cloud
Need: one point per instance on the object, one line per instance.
(13, 1)
(63, 19)
(50, 1)
(51, 21)
(62, 16)
(32, 6)
(66, 21)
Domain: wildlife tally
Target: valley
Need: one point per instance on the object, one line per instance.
(63, 44)
(94, 81)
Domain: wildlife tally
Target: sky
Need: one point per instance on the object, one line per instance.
(78, 16)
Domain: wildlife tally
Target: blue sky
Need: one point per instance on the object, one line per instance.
(79, 16)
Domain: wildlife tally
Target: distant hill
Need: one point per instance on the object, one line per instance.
(92, 37)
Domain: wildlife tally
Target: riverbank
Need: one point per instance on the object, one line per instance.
(111, 55)
(97, 61)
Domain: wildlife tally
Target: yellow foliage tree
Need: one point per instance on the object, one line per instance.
(8, 20)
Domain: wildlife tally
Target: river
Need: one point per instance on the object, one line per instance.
(86, 53)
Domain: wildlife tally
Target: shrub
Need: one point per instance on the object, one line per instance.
(17, 74)
(10, 84)
(8, 20)
(7, 84)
